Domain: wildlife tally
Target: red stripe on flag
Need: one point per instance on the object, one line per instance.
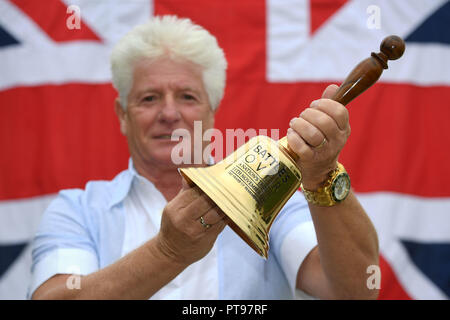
(56, 137)
(51, 18)
(390, 289)
(62, 136)
(322, 10)
(239, 27)
(399, 140)
(399, 131)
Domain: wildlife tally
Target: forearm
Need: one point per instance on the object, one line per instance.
(138, 275)
(348, 244)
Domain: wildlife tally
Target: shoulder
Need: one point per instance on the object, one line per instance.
(84, 204)
(76, 214)
(96, 193)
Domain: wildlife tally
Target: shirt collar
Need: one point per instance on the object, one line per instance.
(123, 184)
(125, 180)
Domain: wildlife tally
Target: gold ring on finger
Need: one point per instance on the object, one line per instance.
(321, 144)
(204, 224)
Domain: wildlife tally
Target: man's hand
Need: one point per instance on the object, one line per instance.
(181, 241)
(183, 237)
(317, 136)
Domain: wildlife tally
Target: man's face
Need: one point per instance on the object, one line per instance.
(166, 95)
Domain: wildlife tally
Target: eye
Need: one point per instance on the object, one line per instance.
(149, 98)
(187, 96)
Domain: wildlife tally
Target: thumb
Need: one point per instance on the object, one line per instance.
(184, 183)
(329, 92)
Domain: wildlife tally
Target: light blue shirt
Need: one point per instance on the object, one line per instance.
(82, 231)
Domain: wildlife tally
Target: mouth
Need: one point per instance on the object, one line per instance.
(168, 137)
(163, 136)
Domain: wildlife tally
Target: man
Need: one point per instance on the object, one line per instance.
(146, 234)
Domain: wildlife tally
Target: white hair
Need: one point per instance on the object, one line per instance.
(176, 38)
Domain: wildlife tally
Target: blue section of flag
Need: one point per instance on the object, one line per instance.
(435, 29)
(433, 259)
(8, 254)
(6, 39)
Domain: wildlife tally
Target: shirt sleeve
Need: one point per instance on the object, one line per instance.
(293, 237)
(63, 243)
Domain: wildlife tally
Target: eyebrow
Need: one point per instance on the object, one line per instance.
(153, 89)
(189, 89)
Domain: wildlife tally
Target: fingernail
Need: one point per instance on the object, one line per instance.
(292, 121)
(314, 104)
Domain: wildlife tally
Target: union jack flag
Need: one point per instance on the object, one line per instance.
(58, 128)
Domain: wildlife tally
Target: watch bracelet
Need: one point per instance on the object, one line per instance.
(322, 196)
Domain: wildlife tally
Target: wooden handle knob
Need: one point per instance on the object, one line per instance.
(367, 72)
(393, 47)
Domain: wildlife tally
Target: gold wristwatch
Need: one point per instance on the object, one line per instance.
(334, 190)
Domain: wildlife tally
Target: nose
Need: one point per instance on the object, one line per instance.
(169, 112)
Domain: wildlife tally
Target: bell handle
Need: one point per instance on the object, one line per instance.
(363, 76)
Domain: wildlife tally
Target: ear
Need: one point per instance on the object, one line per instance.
(122, 115)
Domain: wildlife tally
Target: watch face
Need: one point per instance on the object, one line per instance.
(341, 187)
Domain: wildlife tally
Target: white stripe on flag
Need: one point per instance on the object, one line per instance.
(19, 219)
(110, 20)
(330, 53)
(399, 217)
(37, 59)
(408, 217)
(415, 283)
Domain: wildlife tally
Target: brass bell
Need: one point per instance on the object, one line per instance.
(252, 185)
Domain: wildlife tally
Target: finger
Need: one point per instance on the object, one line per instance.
(218, 227)
(298, 145)
(185, 197)
(335, 110)
(213, 216)
(200, 206)
(330, 91)
(310, 134)
(321, 121)
(209, 219)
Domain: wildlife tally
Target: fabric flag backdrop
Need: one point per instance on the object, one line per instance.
(58, 128)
